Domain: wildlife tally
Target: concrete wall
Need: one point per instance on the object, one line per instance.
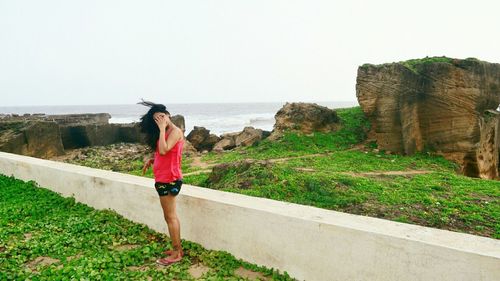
(309, 243)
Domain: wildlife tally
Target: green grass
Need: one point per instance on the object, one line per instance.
(85, 241)
(414, 63)
(438, 199)
(353, 131)
(334, 179)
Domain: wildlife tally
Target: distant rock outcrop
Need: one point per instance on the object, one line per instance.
(201, 138)
(33, 138)
(226, 142)
(247, 137)
(440, 104)
(304, 118)
(73, 131)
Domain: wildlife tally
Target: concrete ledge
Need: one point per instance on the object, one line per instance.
(309, 243)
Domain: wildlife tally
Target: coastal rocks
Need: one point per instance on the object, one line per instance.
(33, 138)
(179, 121)
(201, 138)
(63, 119)
(304, 118)
(227, 142)
(188, 148)
(439, 104)
(247, 137)
(77, 136)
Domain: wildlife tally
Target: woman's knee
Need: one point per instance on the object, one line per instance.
(170, 217)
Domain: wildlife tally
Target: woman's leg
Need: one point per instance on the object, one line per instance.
(173, 223)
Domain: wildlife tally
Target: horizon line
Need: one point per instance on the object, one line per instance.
(178, 103)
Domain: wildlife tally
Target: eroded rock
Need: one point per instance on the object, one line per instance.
(305, 118)
(436, 104)
(201, 138)
(33, 138)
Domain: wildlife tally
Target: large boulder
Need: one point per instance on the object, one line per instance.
(304, 118)
(188, 148)
(77, 136)
(435, 104)
(227, 141)
(249, 136)
(201, 138)
(128, 133)
(179, 121)
(32, 138)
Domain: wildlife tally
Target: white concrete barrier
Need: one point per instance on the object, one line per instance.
(309, 243)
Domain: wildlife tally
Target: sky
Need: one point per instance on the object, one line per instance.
(116, 52)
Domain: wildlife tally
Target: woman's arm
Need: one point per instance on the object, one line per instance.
(165, 145)
(148, 161)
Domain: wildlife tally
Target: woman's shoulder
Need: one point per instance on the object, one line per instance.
(177, 132)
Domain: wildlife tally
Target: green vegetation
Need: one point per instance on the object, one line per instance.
(412, 64)
(44, 236)
(341, 171)
(353, 131)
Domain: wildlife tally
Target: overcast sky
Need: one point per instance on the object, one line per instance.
(115, 52)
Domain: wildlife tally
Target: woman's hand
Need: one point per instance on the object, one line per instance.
(147, 164)
(161, 120)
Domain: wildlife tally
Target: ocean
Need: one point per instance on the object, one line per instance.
(219, 118)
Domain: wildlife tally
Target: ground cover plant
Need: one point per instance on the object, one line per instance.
(44, 236)
(344, 171)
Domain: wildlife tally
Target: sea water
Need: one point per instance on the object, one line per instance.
(219, 118)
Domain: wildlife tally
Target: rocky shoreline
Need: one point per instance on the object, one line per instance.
(49, 136)
(440, 105)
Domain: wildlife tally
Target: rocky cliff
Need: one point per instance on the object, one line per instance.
(438, 104)
(32, 138)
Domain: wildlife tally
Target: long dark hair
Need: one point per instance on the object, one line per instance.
(148, 125)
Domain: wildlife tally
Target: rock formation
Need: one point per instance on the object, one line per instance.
(201, 138)
(33, 138)
(304, 118)
(227, 142)
(438, 104)
(247, 137)
(74, 131)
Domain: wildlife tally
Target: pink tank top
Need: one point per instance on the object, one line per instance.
(167, 168)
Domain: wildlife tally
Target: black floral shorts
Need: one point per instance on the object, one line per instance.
(166, 188)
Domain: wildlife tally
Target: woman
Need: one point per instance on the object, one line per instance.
(166, 140)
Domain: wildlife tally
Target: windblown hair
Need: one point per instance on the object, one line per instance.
(148, 125)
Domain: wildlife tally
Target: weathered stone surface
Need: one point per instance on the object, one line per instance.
(188, 148)
(486, 159)
(435, 104)
(179, 121)
(248, 136)
(304, 118)
(226, 142)
(32, 138)
(201, 138)
(62, 119)
(128, 133)
(77, 136)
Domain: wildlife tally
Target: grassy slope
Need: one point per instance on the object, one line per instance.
(60, 228)
(334, 180)
(440, 198)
